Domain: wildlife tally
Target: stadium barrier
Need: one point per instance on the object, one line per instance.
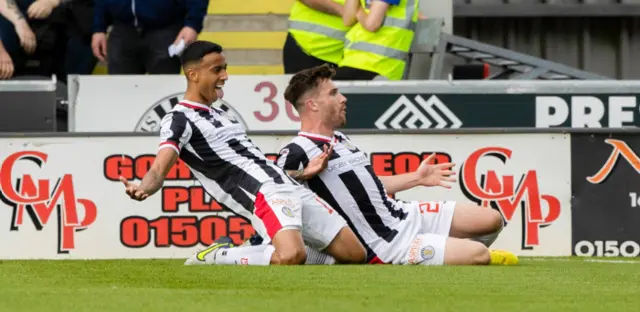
(560, 191)
(137, 103)
(28, 105)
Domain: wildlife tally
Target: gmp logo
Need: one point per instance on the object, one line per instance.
(150, 120)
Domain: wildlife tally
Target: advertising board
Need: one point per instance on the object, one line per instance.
(61, 198)
(138, 103)
(606, 191)
(481, 110)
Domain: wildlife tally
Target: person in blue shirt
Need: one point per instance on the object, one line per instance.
(142, 32)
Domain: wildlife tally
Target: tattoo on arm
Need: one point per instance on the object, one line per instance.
(12, 6)
(151, 182)
(296, 174)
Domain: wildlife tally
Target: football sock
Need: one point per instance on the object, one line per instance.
(260, 255)
(488, 239)
(318, 257)
(244, 255)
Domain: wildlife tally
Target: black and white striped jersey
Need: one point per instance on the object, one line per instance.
(350, 186)
(220, 155)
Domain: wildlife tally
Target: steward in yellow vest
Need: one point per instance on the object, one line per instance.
(316, 35)
(380, 41)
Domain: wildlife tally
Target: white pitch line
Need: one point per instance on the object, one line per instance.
(544, 259)
(550, 259)
(613, 261)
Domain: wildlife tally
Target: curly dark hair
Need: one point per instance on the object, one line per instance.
(305, 81)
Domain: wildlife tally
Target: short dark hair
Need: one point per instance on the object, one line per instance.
(196, 50)
(305, 81)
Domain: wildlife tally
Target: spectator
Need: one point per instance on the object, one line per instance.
(41, 37)
(16, 36)
(379, 43)
(316, 35)
(75, 33)
(142, 32)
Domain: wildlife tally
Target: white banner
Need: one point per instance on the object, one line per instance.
(61, 198)
(138, 103)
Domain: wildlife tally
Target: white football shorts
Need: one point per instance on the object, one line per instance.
(289, 206)
(435, 218)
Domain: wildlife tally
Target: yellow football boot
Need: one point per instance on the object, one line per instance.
(503, 257)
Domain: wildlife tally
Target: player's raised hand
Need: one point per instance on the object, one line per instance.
(319, 163)
(435, 175)
(133, 190)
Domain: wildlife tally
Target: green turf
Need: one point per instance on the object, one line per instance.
(162, 285)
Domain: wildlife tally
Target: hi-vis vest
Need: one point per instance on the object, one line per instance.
(385, 51)
(319, 34)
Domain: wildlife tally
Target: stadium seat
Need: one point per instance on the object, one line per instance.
(246, 40)
(250, 7)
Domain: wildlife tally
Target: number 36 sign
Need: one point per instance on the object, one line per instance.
(273, 103)
(138, 103)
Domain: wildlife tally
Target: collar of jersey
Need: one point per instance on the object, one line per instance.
(194, 105)
(315, 136)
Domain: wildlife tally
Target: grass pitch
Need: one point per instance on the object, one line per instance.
(558, 284)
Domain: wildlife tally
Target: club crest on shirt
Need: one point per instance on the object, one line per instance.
(150, 120)
(287, 211)
(349, 145)
(427, 252)
(166, 134)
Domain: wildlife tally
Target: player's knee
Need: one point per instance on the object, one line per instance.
(495, 221)
(356, 254)
(292, 256)
(346, 248)
(480, 254)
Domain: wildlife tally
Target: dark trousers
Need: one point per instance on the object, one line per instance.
(49, 57)
(134, 52)
(295, 59)
(80, 59)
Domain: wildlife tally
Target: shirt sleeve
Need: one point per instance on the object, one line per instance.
(391, 2)
(100, 17)
(196, 11)
(175, 132)
(292, 157)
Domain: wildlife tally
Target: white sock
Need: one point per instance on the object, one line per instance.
(244, 255)
(318, 257)
(261, 255)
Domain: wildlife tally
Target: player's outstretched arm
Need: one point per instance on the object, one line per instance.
(314, 167)
(426, 175)
(153, 180)
(400, 182)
